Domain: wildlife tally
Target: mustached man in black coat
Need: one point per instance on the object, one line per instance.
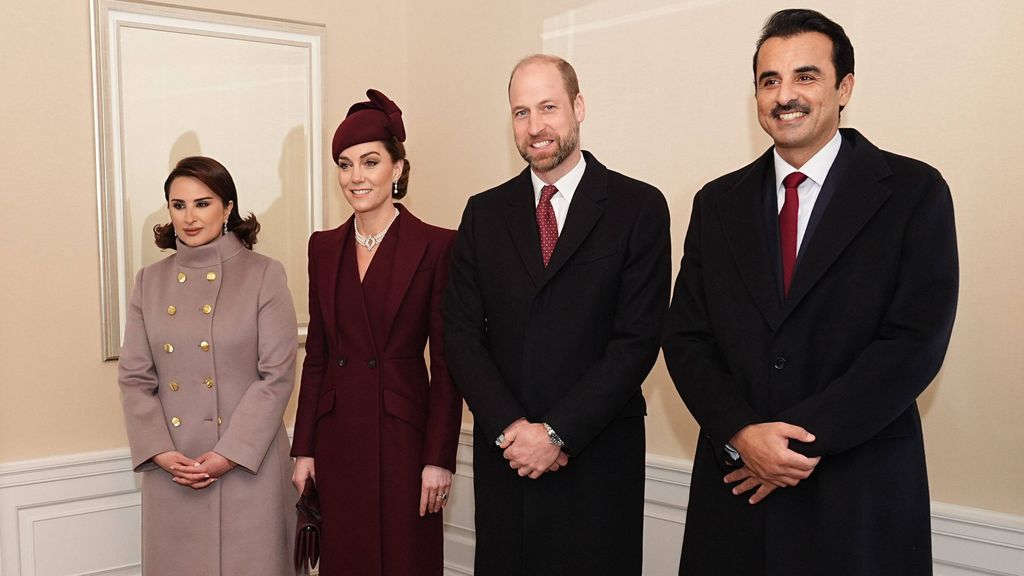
(553, 318)
(801, 337)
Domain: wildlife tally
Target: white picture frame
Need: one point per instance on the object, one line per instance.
(172, 82)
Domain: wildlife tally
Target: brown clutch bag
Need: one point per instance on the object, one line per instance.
(307, 530)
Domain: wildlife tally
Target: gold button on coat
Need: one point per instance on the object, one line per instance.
(211, 276)
(207, 308)
(204, 346)
(208, 381)
(219, 421)
(181, 277)
(168, 348)
(175, 421)
(171, 310)
(174, 386)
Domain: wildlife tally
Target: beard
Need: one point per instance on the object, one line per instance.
(563, 148)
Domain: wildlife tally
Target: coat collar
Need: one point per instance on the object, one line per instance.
(207, 255)
(585, 210)
(858, 196)
(412, 245)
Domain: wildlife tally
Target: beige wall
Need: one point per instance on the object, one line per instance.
(668, 89)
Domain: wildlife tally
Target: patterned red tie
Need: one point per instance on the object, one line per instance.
(547, 225)
(788, 228)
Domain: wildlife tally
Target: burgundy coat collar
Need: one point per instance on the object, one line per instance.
(412, 245)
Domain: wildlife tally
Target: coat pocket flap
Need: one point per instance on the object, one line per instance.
(405, 409)
(593, 254)
(325, 405)
(901, 427)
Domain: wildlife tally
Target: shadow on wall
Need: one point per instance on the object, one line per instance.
(186, 145)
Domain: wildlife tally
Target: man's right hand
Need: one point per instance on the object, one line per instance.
(765, 451)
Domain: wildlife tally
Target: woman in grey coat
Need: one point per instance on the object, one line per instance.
(206, 371)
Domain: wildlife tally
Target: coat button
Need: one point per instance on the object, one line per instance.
(779, 363)
(208, 381)
(175, 421)
(371, 364)
(174, 386)
(182, 277)
(171, 310)
(168, 348)
(342, 362)
(219, 421)
(211, 276)
(204, 346)
(207, 308)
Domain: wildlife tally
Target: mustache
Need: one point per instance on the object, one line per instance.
(791, 106)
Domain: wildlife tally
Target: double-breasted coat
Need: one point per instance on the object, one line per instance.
(863, 332)
(369, 413)
(569, 345)
(208, 363)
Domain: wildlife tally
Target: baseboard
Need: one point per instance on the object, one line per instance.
(81, 515)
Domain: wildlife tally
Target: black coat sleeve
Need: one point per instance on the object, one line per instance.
(691, 352)
(473, 369)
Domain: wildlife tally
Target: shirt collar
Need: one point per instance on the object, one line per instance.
(816, 168)
(566, 184)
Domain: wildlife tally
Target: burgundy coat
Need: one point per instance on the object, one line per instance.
(369, 413)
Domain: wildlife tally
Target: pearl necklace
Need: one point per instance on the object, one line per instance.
(371, 242)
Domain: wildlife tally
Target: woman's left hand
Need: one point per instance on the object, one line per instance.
(436, 486)
(213, 464)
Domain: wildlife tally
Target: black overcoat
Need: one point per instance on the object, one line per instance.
(863, 332)
(569, 345)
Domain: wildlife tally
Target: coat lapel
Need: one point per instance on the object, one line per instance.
(520, 216)
(585, 210)
(857, 197)
(330, 262)
(412, 245)
(740, 211)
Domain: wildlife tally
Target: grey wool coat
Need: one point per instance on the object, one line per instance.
(208, 363)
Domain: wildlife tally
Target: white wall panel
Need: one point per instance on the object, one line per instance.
(80, 515)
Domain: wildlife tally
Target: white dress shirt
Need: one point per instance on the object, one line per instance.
(566, 188)
(816, 169)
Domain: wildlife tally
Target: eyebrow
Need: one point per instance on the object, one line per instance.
(808, 68)
(196, 200)
(800, 70)
(363, 155)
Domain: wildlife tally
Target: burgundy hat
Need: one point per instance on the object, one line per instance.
(378, 119)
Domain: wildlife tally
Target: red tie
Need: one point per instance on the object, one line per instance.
(787, 227)
(547, 225)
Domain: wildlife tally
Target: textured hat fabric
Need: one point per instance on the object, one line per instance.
(377, 119)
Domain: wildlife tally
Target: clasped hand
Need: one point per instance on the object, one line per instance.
(529, 450)
(196, 474)
(768, 461)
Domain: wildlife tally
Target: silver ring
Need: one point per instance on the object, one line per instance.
(443, 496)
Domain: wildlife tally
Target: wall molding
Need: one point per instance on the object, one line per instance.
(81, 514)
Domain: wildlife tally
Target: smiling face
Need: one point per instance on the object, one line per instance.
(545, 121)
(797, 96)
(366, 174)
(197, 213)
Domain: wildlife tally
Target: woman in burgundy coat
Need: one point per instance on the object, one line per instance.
(377, 432)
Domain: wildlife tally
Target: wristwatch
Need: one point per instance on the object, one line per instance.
(553, 436)
(732, 457)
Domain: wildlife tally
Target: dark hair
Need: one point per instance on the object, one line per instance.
(397, 152)
(789, 23)
(569, 79)
(216, 177)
